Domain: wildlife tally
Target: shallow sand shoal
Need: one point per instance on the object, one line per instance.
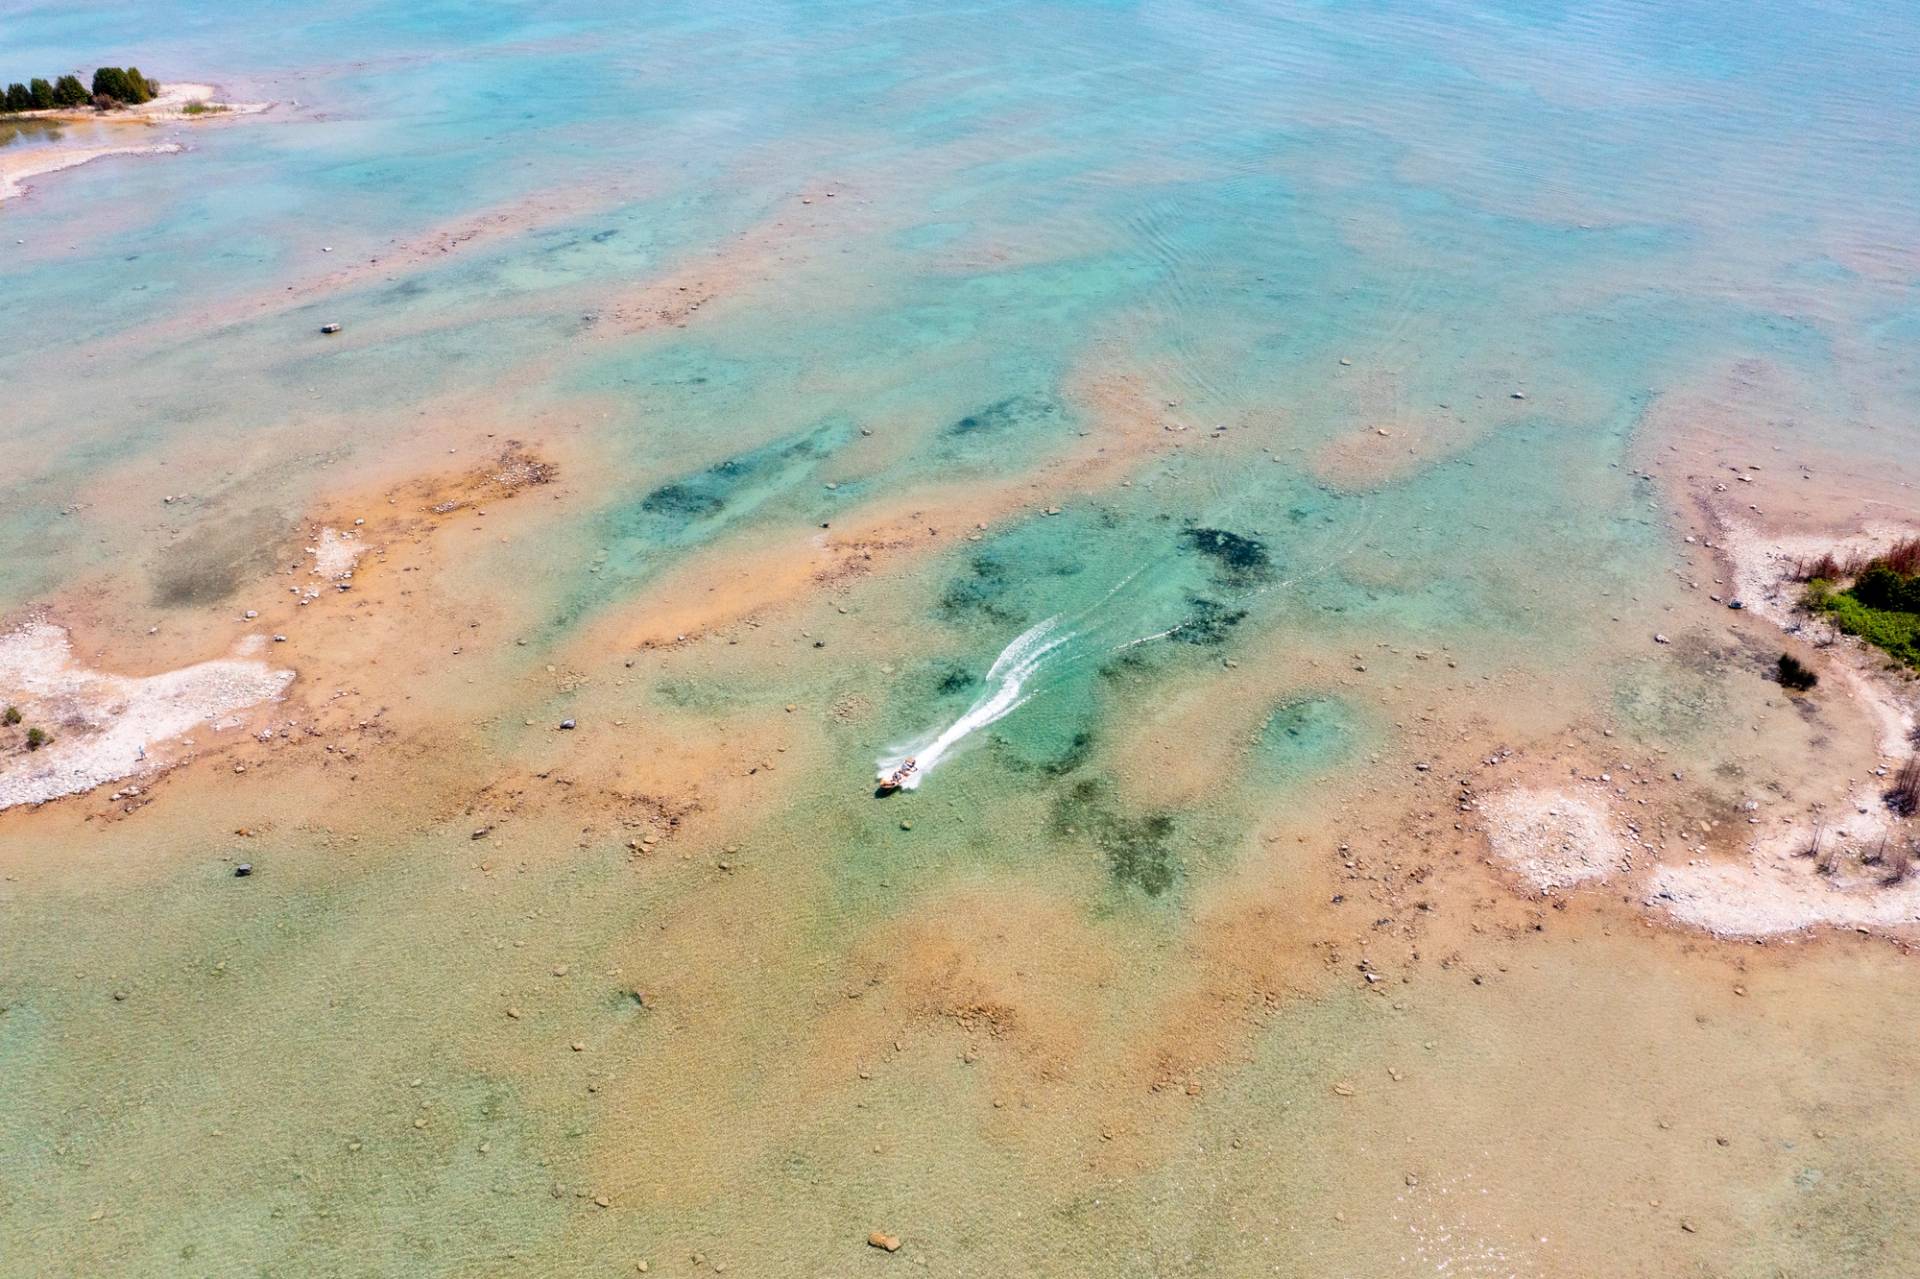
(102, 725)
(16, 168)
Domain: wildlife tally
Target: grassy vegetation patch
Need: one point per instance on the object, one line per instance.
(1881, 607)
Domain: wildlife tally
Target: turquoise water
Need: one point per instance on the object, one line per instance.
(939, 250)
(1601, 210)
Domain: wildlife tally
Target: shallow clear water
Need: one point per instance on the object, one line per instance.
(1382, 304)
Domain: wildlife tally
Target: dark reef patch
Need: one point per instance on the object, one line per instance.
(1237, 560)
(708, 493)
(1207, 621)
(1132, 666)
(1139, 850)
(1006, 415)
(981, 592)
(1071, 759)
(683, 499)
(951, 679)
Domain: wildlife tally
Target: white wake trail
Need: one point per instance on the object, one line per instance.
(1006, 683)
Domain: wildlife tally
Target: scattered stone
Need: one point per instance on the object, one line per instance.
(329, 328)
(566, 723)
(243, 870)
(1661, 639)
(1343, 1090)
(883, 1241)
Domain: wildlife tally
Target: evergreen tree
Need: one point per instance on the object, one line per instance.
(111, 82)
(142, 89)
(69, 92)
(42, 94)
(18, 99)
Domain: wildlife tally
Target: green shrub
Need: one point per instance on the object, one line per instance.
(11, 716)
(69, 92)
(36, 738)
(111, 82)
(42, 95)
(1881, 587)
(18, 98)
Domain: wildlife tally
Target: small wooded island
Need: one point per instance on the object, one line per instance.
(113, 87)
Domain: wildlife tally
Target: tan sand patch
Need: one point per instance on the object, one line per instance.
(1373, 456)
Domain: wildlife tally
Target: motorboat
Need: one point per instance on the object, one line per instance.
(893, 781)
